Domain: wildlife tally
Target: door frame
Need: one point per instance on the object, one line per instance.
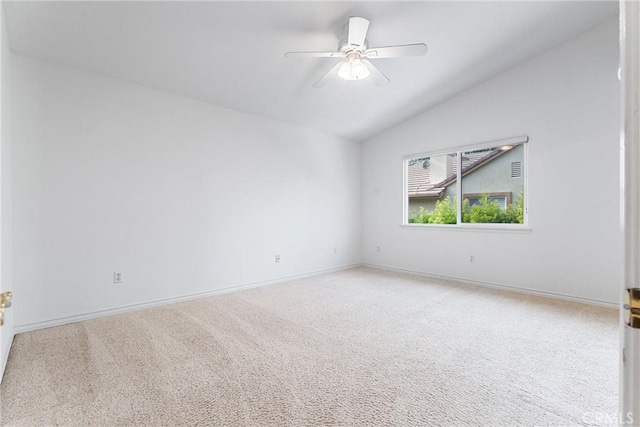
(629, 74)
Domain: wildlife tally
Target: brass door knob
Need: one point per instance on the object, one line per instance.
(5, 299)
(632, 307)
(5, 302)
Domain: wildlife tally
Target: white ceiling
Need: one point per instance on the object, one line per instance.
(231, 53)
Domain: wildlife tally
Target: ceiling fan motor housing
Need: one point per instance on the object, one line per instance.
(347, 48)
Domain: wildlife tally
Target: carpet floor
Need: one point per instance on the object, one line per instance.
(357, 347)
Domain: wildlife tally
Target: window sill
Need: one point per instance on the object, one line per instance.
(491, 228)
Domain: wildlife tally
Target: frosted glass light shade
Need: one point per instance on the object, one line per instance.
(353, 69)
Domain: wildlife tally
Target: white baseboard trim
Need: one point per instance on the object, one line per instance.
(138, 306)
(468, 282)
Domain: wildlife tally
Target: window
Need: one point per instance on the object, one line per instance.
(430, 180)
(503, 199)
(491, 191)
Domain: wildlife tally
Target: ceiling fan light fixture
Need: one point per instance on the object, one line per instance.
(359, 71)
(353, 69)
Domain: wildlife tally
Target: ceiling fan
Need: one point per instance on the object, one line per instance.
(356, 54)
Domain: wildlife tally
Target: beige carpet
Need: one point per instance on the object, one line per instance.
(359, 347)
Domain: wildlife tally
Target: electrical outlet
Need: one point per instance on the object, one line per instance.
(117, 277)
(472, 259)
(335, 251)
(378, 249)
(277, 259)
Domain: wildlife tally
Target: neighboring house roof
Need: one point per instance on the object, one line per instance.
(419, 182)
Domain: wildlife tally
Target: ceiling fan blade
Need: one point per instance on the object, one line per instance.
(357, 32)
(400, 51)
(314, 55)
(331, 75)
(376, 75)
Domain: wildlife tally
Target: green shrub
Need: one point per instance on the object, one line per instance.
(444, 212)
(488, 211)
(421, 217)
(515, 211)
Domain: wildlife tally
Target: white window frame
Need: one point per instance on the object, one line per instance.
(524, 227)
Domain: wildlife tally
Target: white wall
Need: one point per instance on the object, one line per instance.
(567, 101)
(6, 281)
(180, 196)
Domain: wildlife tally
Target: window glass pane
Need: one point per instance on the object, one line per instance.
(493, 185)
(431, 189)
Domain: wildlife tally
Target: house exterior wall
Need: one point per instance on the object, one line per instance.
(415, 204)
(494, 177)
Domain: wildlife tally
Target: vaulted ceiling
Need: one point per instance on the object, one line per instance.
(231, 53)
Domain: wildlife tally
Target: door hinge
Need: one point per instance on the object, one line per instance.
(5, 302)
(632, 307)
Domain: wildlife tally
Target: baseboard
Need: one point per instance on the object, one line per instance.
(497, 286)
(138, 306)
